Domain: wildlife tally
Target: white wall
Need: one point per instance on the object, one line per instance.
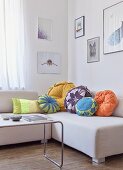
(106, 74)
(56, 10)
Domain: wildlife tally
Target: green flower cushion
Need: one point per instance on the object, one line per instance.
(25, 106)
(86, 106)
(48, 104)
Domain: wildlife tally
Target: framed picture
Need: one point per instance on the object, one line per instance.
(93, 50)
(48, 63)
(44, 29)
(80, 27)
(113, 28)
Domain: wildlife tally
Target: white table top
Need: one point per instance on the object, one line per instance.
(22, 122)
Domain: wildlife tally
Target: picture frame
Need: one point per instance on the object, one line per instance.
(45, 29)
(93, 50)
(113, 28)
(48, 63)
(80, 27)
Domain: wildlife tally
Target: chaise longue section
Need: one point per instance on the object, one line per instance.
(98, 137)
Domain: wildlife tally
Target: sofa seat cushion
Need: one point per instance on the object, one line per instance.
(96, 136)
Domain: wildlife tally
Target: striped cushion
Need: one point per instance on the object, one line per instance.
(48, 104)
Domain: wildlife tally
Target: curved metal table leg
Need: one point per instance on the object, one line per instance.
(62, 144)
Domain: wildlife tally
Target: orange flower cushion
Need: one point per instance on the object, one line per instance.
(107, 102)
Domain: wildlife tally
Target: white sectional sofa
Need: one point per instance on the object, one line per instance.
(19, 134)
(98, 137)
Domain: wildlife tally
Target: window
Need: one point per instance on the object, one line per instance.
(11, 44)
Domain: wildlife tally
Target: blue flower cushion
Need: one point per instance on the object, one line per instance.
(86, 106)
(48, 104)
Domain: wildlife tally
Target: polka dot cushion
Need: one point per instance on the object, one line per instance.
(86, 106)
(48, 104)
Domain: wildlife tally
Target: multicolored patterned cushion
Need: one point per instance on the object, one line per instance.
(86, 106)
(48, 104)
(25, 106)
(74, 95)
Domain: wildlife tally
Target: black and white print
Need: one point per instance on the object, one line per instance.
(93, 49)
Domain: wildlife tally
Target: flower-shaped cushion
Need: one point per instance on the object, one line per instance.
(74, 95)
(48, 104)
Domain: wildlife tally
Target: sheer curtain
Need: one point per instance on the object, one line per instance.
(11, 44)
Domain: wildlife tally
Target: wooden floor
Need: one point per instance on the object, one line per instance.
(29, 157)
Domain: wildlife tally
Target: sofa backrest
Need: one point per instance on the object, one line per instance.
(6, 99)
(119, 109)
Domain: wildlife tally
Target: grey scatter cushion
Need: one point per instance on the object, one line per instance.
(74, 95)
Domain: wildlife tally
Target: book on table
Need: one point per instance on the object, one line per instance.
(34, 118)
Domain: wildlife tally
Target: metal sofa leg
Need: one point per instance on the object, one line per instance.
(98, 161)
(42, 141)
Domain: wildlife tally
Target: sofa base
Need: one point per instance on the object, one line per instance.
(98, 161)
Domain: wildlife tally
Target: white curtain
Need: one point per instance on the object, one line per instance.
(11, 44)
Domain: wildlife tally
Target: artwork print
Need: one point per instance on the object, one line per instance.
(44, 29)
(113, 28)
(93, 51)
(48, 63)
(80, 27)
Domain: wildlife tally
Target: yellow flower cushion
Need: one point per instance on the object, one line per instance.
(25, 106)
(59, 91)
